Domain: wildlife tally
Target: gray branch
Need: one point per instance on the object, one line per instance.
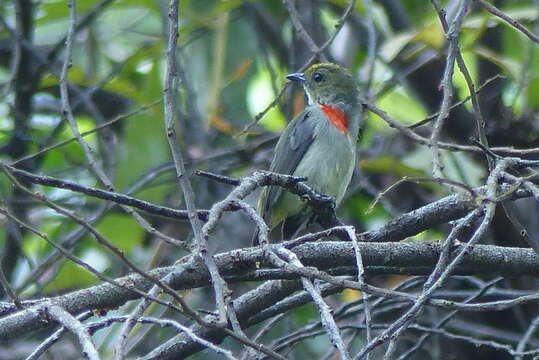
(403, 258)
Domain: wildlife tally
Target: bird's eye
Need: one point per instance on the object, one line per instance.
(318, 77)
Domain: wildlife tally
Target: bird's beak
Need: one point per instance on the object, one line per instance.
(296, 77)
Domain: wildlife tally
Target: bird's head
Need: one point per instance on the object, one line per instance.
(328, 83)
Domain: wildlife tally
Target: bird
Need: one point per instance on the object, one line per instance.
(319, 144)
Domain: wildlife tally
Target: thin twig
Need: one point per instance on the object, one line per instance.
(67, 112)
(441, 144)
(325, 312)
(170, 100)
(51, 340)
(77, 328)
(361, 279)
(300, 29)
(86, 133)
(115, 197)
(398, 326)
(164, 323)
(457, 104)
(371, 46)
(447, 88)
(497, 12)
(521, 347)
(484, 289)
(434, 283)
(480, 122)
(393, 186)
(100, 239)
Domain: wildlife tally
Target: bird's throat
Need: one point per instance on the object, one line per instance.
(336, 117)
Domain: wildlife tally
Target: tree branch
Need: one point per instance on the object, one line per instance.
(408, 258)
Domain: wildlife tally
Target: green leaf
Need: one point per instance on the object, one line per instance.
(533, 93)
(71, 276)
(121, 230)
(509, 66)
(522, 14)
(390, 165)
(259, 94)
(399, 105)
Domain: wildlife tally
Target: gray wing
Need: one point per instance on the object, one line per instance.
(292, 146)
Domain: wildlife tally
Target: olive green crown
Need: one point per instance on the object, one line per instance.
(331, 83)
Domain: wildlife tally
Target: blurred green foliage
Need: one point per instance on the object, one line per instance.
(232, 70)
(233, 75)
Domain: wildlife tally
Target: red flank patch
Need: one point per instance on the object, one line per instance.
(336, 117)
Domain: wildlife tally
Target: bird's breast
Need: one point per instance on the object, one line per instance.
(336, 117)
(329, 162)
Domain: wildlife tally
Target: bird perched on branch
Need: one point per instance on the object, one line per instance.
(320, 144)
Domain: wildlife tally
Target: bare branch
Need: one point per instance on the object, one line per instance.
(497, 12)
(76, 327)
